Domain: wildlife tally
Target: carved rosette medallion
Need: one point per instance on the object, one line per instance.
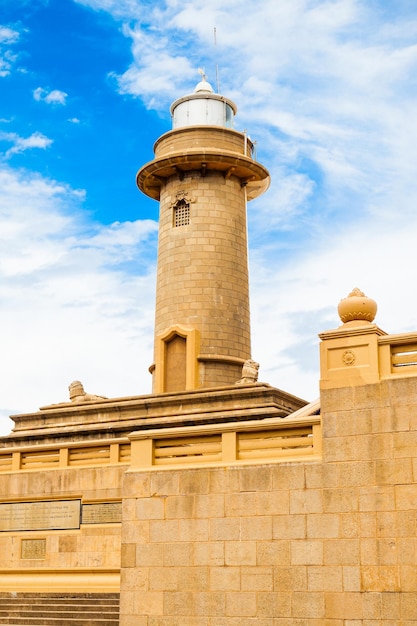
(348, 357)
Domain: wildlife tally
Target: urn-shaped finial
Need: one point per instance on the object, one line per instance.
(357, 308)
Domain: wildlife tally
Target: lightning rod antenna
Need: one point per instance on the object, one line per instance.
(217, 65)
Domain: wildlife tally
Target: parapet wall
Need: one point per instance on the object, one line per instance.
(326, 540)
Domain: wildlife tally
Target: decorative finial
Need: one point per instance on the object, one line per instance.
(357, 308)
(203, 85)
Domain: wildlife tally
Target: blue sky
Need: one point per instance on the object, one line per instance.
(326, 89)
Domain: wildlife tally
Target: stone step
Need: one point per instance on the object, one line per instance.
(55, 612)
(30, 609)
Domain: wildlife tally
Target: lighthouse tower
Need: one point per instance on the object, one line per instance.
(203, 174)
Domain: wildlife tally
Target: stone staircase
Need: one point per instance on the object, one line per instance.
(59, 609)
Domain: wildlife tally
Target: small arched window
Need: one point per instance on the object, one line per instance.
(181, 213)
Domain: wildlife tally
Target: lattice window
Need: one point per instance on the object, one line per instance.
(181, 215)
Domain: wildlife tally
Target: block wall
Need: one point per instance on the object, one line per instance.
(68, 554)
(332, 543)
(202, 279)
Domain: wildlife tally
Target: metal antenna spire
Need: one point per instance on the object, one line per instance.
(217, 65)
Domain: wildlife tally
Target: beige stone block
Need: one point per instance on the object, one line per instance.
(349, 525)
(307, 605)
(136, 579)
(372, 606)
(148, 603)
(150, 508)
(406, 548)
(273, 503)
(369, 551)
(380, 578)
(224, 480)
(306, 501)
(377, 498)
(389, 548)
(408, 606)
(289, 527)
(178, 603)
(194, 481)
(290, 476)
(128, 555)
(356, 473)
(209, 553)
(163, 578)
(211, 505)
(323, 526)
(164, 530)
(193, 578)
(241, 604)
(340, 423)
(273, 605)
(173, 621)
(135, 532)
(390, 606)
(257, 579)
(308, 552)
(176, 554)
(321, 578)
(193, 530)
(241, 504)
(164, 483)
(394, 472)
(293, 578)
(272, 553)
(406, 497)
(343, 500)
(149, 554)
(210, 604)
(303, 622)
(225, 579)
(256, 528)
(341, 551)
(343, 605)
(133, 620)
(408, 578)
(407, 523)
(227, 529)
(240, 553)
(367, 525)
(136, 485)
(179, 507)
(255, 479)
(351, 578)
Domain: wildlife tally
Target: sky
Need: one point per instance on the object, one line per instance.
(327, 91)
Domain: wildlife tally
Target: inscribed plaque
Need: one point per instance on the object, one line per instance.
(47, 515)
(102, 513)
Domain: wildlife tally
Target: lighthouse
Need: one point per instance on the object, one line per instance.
(203, 173)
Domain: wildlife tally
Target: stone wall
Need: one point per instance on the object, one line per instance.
(303, 544)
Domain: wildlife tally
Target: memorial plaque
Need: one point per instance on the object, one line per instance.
(33, 548)
(47, 515)
(102, 513)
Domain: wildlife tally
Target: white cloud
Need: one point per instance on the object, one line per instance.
(50, 97)
(70, 310)
(20, 144)
(8, 37)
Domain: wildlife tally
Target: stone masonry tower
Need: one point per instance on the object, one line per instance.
(203, 173)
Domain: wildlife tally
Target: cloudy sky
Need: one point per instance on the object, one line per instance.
(326, 89)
